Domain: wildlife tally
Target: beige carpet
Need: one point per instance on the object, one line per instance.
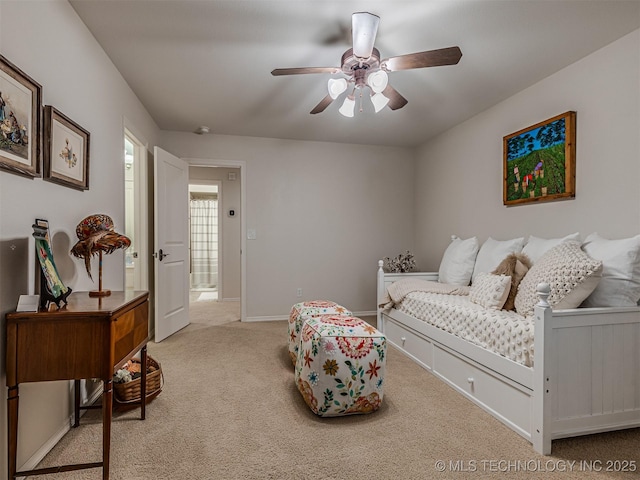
(230, 410)
(206, 309)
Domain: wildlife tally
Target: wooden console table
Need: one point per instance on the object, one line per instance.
(90, 337)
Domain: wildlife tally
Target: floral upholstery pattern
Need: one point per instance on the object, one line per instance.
(303, 310)
(341, 365)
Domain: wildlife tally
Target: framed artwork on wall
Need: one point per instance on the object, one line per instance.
(20, 121)
(66, 150)
(539, 162)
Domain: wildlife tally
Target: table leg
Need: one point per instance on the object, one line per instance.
(76, 403)
(12, 420)
(107, 405)
(143, 383)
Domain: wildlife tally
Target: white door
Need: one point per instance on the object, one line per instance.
(171, 242)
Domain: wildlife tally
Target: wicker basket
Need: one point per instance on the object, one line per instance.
(129, 392)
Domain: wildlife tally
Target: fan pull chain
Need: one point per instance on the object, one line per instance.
(360, 110)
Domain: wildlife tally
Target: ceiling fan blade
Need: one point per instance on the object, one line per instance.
(396, 100)
(324, 103)
(364, 27)
(431, 58)
(302, 70)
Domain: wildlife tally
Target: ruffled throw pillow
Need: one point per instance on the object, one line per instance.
(516, 266)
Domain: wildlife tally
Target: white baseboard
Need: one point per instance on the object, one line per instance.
(231, 299)
(42, 452)
(365, 314)
(267, 319)
(274, 318)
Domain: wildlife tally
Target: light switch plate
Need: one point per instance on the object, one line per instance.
(251, 234)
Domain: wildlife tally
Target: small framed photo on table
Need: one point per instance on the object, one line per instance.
(66, 150)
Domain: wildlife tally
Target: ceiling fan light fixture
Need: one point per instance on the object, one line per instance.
(337, 86)
(348, 106)
(365, 27)
(362, 66)
(378, 81)
(379, 101)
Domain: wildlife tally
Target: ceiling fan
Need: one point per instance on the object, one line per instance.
(362, 67)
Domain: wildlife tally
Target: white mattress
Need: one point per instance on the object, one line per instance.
(503, 332)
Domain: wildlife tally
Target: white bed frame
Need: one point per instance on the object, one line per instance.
(585, 378)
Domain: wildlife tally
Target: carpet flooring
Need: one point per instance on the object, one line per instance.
(230, 410)
(204, 308)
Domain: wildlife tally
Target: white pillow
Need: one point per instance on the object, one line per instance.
(490, 291)
(458, 260)
(570, 272)
(493, 252)
(620, 284)
(536, 247)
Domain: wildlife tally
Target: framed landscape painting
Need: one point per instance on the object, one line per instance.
(66, 150)
(20, 121)
(539, 161)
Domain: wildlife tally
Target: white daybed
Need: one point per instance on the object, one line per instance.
(585, 378)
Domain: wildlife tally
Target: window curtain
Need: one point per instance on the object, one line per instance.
(204, 242)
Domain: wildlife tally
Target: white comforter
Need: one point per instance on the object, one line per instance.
(397, 291)
(501, 331)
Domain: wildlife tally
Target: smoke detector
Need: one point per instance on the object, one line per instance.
(201, 130)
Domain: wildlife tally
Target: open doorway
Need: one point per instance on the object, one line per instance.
(216, 244)
(204, 234)
(136, 213)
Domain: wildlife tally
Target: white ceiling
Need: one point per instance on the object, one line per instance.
(208, 62)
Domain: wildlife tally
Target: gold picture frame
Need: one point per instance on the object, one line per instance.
(539, 162)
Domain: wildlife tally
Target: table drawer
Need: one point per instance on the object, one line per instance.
(59, 349)
(130, 332)
(416, 346)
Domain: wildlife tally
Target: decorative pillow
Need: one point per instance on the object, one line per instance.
(571, 274)
(493, 252)
(536, 247)
(516, 266)
(620, 284)
(490, 290)
(458, 260)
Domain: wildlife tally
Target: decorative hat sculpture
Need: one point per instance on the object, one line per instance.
(96, 235)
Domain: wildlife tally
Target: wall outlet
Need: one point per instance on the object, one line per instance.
(299, 292)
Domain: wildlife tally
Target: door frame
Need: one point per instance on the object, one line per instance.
(141, 214)
(141, 182)
(242, 165)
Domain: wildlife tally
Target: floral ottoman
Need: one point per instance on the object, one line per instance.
(303, 310)
(340, 366)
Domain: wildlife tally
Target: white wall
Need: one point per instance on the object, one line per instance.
(324, 213)
(47, 40)
(458, 181)
(229, 288)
